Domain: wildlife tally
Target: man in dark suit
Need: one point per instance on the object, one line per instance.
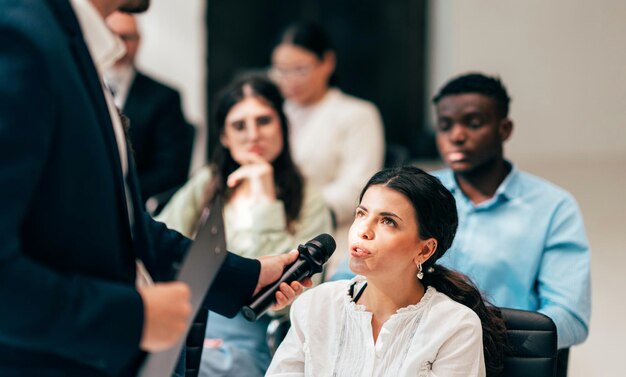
(76, 250)
(160, 137)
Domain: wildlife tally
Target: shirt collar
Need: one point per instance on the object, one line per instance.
(119, 79)
(104, 46)
(120, 73)
(508, 189)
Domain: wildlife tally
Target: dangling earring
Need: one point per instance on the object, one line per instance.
(420, 273)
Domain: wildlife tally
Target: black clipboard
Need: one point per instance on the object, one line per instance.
(200, 266)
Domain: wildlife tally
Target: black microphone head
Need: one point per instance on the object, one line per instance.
(324, 244)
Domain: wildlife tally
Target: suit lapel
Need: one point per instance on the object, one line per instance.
(132, 107)
(135, 87)
(90, 78)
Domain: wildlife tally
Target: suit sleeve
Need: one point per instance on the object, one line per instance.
(235, 282)
(77, 317)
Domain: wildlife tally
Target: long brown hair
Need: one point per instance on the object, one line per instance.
(435, 209)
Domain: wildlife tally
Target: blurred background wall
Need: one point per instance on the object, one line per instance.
(380, 49)
(564, 63)
(173, 49)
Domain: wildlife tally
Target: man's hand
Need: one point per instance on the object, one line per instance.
(167, 308)
(272, 269)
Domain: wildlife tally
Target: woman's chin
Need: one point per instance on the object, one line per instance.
(358, 266)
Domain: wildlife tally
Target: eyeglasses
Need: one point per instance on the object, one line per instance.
(297, 72)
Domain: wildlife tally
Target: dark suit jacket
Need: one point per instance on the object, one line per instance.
(160, 137)
(68, 305)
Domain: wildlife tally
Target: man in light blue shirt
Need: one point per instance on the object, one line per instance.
(521, 239)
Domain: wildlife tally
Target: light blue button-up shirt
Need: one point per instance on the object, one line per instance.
(526, 248)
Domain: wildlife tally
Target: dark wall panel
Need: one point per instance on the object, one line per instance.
(380, 47)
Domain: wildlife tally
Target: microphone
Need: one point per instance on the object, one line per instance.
(313, 255)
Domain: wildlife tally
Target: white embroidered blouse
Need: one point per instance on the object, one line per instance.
(332, 336)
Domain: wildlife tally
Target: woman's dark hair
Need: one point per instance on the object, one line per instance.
(287, 178)
(436, 215)
(310, 37)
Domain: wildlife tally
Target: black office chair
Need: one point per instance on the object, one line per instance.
(562, 359)
(194, 344)
(532, 341)
(276, 331)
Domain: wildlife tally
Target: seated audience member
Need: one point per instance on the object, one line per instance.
(268, 209)
(329, 130)
(404, 314)
(160, 137)
(520, 238)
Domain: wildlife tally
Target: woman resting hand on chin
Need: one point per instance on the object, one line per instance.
(268, 209)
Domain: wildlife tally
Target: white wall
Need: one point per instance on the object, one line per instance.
(173, 49)
(563, 62)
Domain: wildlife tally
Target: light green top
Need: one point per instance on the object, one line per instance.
(254, 231)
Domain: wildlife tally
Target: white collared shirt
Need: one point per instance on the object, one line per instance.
(105, 49)
(120, 78)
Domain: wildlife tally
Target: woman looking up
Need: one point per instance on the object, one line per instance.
(403, 314)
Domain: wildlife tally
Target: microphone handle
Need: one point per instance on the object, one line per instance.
(267, 296)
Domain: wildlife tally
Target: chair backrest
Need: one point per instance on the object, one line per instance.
(532, 340)
(562, 359)
(276, 331)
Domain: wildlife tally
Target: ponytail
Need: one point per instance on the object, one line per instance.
(460, 288)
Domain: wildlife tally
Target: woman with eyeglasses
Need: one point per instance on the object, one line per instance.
(337, 140)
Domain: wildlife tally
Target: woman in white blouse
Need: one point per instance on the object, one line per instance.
(403, 315)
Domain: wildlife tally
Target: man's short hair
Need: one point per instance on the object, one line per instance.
(478, 83)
